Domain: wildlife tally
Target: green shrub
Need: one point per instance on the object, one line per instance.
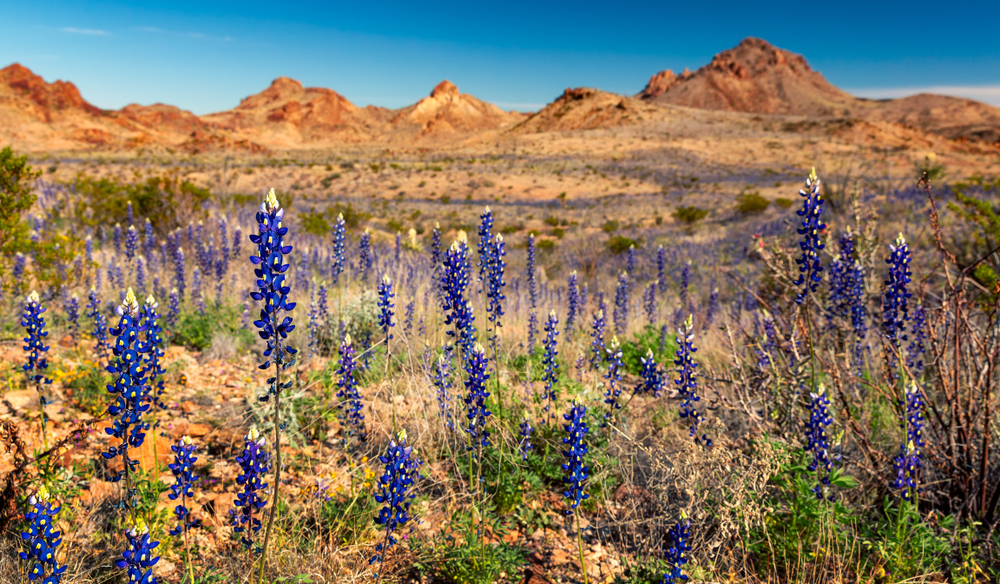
(610, 226)
(328, 180)
(315, 223)
(167, 201)
(784, 203)
(195, 330)
(689, 215)
(751, 203)
(620, 244)
(552, 220)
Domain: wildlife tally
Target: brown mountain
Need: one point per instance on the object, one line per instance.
(585, 108)
(447, 112)
(757, 77)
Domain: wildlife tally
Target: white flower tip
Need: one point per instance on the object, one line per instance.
(253, 435)
(812, 175)
(479, 348)
(33, 297)
(347, 339)
(271, 201)
(401, 436)
(186, 440)
(462, 237)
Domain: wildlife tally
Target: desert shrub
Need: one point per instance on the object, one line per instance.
(16, 197)
(689, 215)
(610, 226)
(751, 203)
(196, 330)
(784, 203)
(620, 244)
(315, 223)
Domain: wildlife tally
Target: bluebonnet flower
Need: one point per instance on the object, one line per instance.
(140, 273)
(138, 560)
(365, 255)
(100, 324)
(196, 283)
(649, 303)
(476, 367)
(895, 298)
(436, 245)
(525, 430)
(572, 302)
(841, 275)
(494, 279)
(88, 249)
(677, 550)
(131, 242)
(129, 370)
(652, 377)
(713, 307)
(42, 539)
(34, 327)
(685, 286)
(350, 400)
(400, 470)
(302, 272)
(458, 310)
(149, 319)
(818, 443)
(551, 374)
(621, 303)
(532, 294)
(385, 307)
(399, 246)
(17, 273)
(661, 269)
(271, 289)
(630, 260)
(237, 241)
(408, 317)
(485, 246)
(442, 381)
(811, 244)
(613, 376)
(597, 340)
(339, 248)
(664, 331)
(73, 317)
(575, 466)
(254, 465)
(908, 463)
(687, 386)
(583, 299)
(174, 310)
(129, 213)
(118, 238)
(180, 279)
(322, 303)
(183, 486)
(915, 350)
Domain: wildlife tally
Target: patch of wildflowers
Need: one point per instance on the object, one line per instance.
(810, 267)
(254, 465)
(575, 466)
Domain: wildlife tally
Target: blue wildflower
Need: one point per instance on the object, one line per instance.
(42, 540)
(129, 370)
(73, 317)
(677, 550)
(620, 313)
(572, 302)
(183, 486)
(100, 325)
(915, 350)
(154, 353)
(385, 307)
(476, 367)
(442, 382)
(365, 255)
(131, 242)
(649, 303)
(661, 269)
(36, 364)
(811, 244)
(494, 279)
(180, 278)
(400, 470)
(687, 386)
(597, 340)
(575, 466)
(895, 298)
(524, 431)
(652, 377)
(339, 249)
(613, 376)
(138, 560)
(174, 310)
(908, 462)
(254, 465)
(350, 400)
(458, 310)
(551, 374)
(818, 443)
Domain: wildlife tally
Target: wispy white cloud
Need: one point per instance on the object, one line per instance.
(985, 93)
(90, 31)
(192, 35)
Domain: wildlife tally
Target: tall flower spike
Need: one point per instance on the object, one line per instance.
(620, 313)
(652, 377)
(572, 302)
(575, 467)
(442, 381)
(613, 377)
(339, 261)
(73, 317)
(34, 345)
(350, 400)
(129, 370)
(676, 554)
(100, 325)
(385, 307)
(895, 298)
(494, 279)
(365, 255)
(485, 245)
(254, 465)
(810, 267)
(400, 470)
(42, 539)
(457, 309)
(597, 340)
(138, 559)
(551, 374)
(476, 367)
(532, 294)
(149, 319)
(909, 461)
(818, 443)
(687, 386)
(183, 486)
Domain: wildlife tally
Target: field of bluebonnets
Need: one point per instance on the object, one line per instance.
(809, 398)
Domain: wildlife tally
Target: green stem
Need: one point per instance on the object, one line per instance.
(277, 469)
(579, 544)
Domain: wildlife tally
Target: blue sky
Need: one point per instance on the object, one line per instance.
(205, 56)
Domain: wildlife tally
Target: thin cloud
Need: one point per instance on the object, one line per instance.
(90, 31)
(191, 35)
(985, 93)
